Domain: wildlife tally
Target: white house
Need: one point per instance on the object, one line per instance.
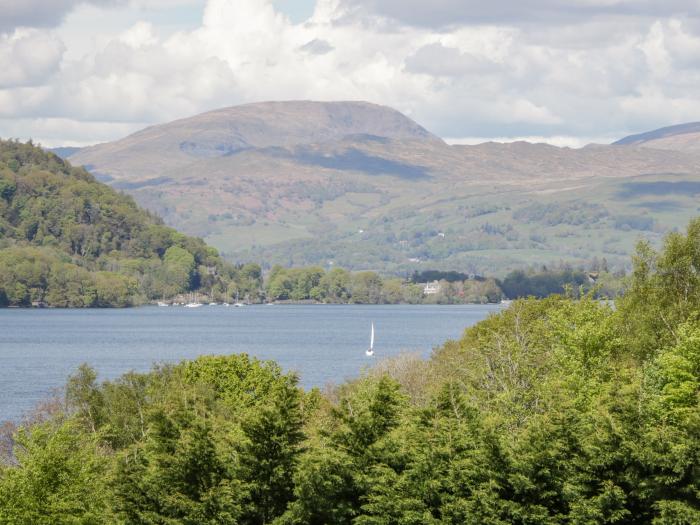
(431, 288)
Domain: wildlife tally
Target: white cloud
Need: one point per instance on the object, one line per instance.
(66, 132)
(23, 102)
(437, 60)
(317, 47)
(28, 57)
(40, 13)
(139, 35)
(633, 70)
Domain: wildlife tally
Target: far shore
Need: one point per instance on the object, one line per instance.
(241, 305)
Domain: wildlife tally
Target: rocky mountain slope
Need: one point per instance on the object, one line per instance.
(275, 126)
(363, 186)
(683, 137)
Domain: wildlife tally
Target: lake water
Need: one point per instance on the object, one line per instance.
(323, 343)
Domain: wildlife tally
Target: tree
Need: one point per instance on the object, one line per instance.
(85, 398)
(331, 481)
(366, 288)
(176, 476)
(279, 286)
(335, 285)
(270, 453)
(563, 410)
(179, 266)
(664, 290)
(60, 478)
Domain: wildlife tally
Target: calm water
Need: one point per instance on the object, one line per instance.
(324, 344)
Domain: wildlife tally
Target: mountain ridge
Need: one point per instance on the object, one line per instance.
(294, 183)
(666, 131)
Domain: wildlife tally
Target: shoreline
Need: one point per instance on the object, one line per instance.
(220, 305)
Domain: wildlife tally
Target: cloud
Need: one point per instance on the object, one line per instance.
(317, 47)
(139, 35)
(598, 77)
(438, 60)
(28, 57)
(40, 13)
(451, 13)
(66, 132)
(138, 78)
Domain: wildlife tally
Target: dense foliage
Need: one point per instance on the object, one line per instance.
(338, 285)
(555, 411)
(68, 240)
(545, 282)
(437, 275)
(341, 286)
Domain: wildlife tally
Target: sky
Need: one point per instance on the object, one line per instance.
(567, 72)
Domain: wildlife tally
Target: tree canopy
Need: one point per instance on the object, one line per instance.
(69, 240)
(555, 411)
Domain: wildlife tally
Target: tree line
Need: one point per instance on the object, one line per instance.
(554, 411)
(338, 285)
(342, 286)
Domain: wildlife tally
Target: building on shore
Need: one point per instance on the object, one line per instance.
(431, 288)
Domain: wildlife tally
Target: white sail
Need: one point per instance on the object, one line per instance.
(370, 351)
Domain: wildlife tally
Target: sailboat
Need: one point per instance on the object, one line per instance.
(370, 351)
(195, 303)
(238, 304)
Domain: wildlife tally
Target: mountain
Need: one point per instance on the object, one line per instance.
(270, 126)
(363, 186)
(68, 240)
(682, 137)
(65, 152)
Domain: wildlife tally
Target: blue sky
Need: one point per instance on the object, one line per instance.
(296, 10)
(190, 15)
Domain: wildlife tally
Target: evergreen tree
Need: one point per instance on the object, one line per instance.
(269, 456)
(176, 476)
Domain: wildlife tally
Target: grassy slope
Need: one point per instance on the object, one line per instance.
(491, 232)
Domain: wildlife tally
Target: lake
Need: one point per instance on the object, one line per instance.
(323, 343)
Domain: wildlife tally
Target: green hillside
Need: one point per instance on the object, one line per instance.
(68, 240)
(493, 232)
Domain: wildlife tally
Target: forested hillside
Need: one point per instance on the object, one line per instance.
(555, 411)
(68, 240)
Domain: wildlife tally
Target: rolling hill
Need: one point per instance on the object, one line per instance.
(69, 240)
(363, 186)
